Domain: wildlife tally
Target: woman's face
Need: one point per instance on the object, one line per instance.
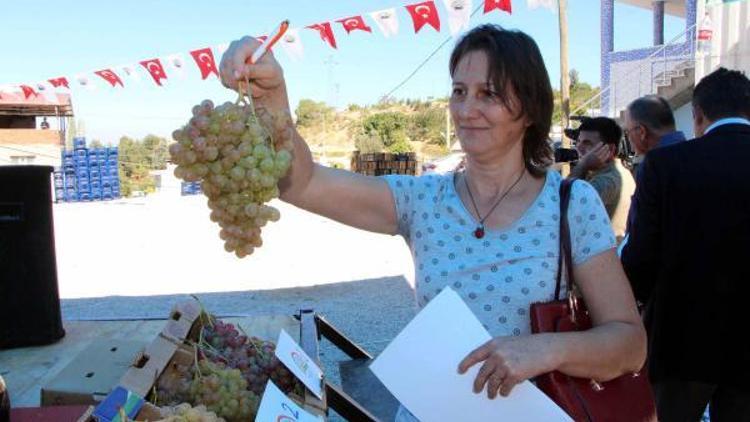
(484, 124)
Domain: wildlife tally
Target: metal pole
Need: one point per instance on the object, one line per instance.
(564, 77)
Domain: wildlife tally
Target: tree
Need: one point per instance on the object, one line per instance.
(389, 127)
(310, 112)
(428, 125)
(157, 150)
(95, 143)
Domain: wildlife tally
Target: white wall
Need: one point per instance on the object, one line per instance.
(730, 44)
(683, 117)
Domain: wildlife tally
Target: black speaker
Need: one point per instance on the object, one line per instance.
(29, 298)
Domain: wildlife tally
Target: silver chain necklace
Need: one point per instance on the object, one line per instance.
(479, 231)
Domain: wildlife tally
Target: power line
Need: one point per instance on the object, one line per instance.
(424, 62)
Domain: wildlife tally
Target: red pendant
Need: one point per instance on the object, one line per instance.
(479, 232)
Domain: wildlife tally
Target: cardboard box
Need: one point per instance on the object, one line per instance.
(92, 374)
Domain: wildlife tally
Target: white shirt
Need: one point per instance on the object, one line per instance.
(727, 121)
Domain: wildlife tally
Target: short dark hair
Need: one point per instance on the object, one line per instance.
(609, 131)
(723, 93)
(515, 62)
(653, 112)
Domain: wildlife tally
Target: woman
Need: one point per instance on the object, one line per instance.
(489, 231)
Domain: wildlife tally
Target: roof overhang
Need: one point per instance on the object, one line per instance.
(671, 7)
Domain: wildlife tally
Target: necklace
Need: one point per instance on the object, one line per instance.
(479, 231)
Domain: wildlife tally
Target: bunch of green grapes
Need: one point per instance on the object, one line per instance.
(224, 391)
(184, 412)
(239, 165)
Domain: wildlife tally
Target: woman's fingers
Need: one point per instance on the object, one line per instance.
(496, 380)
(487, 369)
(507, 386)
(477, 355)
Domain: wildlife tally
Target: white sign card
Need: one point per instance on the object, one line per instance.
(277, 407)
(420, 368)
(297, 361)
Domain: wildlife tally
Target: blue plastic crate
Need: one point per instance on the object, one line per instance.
(68, 153)
(57, 174)
(84, 196)
(81, 152)
(59, 183)
(79, 142)
(96, 195)
(59, 195)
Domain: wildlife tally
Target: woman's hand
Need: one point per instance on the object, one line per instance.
(509, 361)
(267, 84)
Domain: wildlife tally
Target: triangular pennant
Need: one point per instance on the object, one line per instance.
(424, 14)
(130, 71)
(110, 76)
(459, 12)
(354, 23)
(177, 63)
(490, 5)
(292, 44)
(550, 5)
(85, 82)
(387, 21)
(60, 82)
(155, 69)
(28, 91)
(326, 33)
(204, 59)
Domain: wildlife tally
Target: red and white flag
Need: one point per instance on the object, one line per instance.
(354, 23)
(490, 5)
(326, 33)
(60, 83)
(110, 76)
(387, 21)
(204, 59)
(292, 44)
(459, 12)
(424, 14)
(155, 69)
(28, 91)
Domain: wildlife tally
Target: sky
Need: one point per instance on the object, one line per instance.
(47, 39)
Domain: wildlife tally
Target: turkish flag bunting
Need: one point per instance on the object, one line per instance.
(355, 22)
(424, 13)
(156, 70)
(204, 58)
(490, 5)
(110, 77)
(325, 31)
(28, 91)
(58, 82)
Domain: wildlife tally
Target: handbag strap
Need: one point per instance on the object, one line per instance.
(564, 259)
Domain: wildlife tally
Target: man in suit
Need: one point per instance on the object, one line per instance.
(687, 255)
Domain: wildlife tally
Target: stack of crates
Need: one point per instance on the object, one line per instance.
(89, 174)
(190, 188)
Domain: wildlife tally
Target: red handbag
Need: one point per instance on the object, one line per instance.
(628, 398)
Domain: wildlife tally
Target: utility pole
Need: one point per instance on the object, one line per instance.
(562, 13)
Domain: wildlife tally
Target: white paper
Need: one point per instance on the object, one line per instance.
(304, 368)
(420, 368)
(277, 407)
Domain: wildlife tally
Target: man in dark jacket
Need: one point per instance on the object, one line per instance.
(687, 258)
